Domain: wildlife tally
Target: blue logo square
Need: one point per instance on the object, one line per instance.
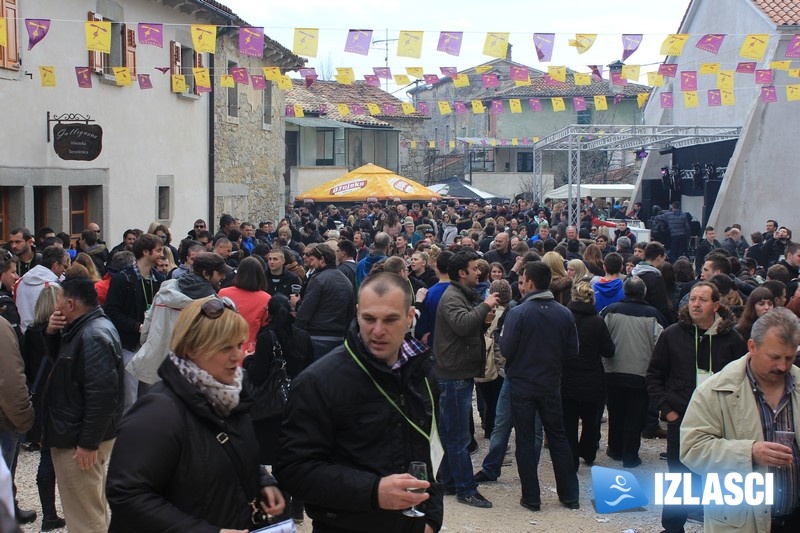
(616, 490)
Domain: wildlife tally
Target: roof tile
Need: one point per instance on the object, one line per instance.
(781, 12)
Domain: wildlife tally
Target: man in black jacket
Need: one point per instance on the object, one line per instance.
(348, 460)
(83, 403)
(649, 271)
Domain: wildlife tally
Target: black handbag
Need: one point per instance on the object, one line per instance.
(270, 397)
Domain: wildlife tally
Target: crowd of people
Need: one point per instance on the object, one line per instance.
(132, 370)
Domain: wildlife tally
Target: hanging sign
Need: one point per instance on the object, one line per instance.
(78, 142)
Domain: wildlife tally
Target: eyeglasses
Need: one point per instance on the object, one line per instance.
(214, 307)
(163, 237)
(198, 226)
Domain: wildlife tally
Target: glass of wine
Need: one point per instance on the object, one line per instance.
(419, 470)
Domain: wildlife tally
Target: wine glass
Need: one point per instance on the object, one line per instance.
(419, 470)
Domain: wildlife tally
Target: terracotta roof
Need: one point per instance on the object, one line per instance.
(331, 93)
(539, 88)
(781, 12)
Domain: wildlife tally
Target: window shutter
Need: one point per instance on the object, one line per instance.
(10, 54)
(130, 49)
(175, 58)
(198, 62)
(95, 58)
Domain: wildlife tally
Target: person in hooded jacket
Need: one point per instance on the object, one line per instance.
(608, 289)
(380, 252)
(55, 262)
(419, 269)
(654, 256)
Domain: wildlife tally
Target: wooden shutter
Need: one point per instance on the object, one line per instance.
(129, 59)
(9, 56)
(175, 58)
(198, 62)
(95, 58)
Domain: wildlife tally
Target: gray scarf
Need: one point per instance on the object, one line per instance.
(223, 398)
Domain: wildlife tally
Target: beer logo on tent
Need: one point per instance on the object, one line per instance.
(348, 186)
(402, 185)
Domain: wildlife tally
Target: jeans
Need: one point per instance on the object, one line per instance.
(548, 407)
(322, 347)
(503, 423)
(673, 517)
(455, 406)
(627, 410)
(9, 442)
(677, 247)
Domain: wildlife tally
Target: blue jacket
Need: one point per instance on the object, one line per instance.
(607, 292)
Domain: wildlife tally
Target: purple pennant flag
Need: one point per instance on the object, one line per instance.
(597, 72)
(323, 109)
(201, 89)
(37, 30)
(714, 98)
(384, 73)
(768, 94)
(422, 107)
(543, 42)
(450, 42)
(372, 80)
(490, 80)
(151, 34)
(688, 80)
(358, 42)
(666, 100)
(747, 67)
(618, 98)
(459, 107)
(617, 79)
(258, 81)
(251, 41)
(497, 107)
(710, 42)
(84, 75)
(668, 70)
(388, 109)
(793, 48)
(307, 72)
(239, 75)
(518, 73)
(288, 111)
(525, 140)
(550, 82)
(452, 72)
(763, 77)
(430, 79)
(144, 81)
(310, 79)
(630, 43)
(536, 104)
(579, 103)
(357, 109)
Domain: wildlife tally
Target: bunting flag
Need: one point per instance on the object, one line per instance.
(201, 77)
(285, 83)
(450, 42)
(754, 46)
(239, 75)
(227, 81)
(459, 107)
(535, 103)
(48, 75)
(357, 109)
(597, 72)
(272, 73)
(655, 79)
(306, 42)
(409, 44)
(727, 97)
(558, 73)
(582, 79)
(688, 80)
(550, 82)
(122, 75)
(793, 92)
(521, 83)
(558, 104)
(483, 68)
(514, 142)
(617, 79)
(690, 99)
(151, 33)
(666, 100)
(668, 70)
(84, 75)
(673, 44)
(358, 42)
(518, 73)
(490, 80)
(417, 72)
(630, 43)
(388, 109)
(477, 107)
(342, 109)
(763, 77)
(298, 111)
(449, 71)
(515, 105)
(794, 72)
(373, 109)
(413, 144)
(714, 98)
(711, 42)
(630, 72)
(98, 36)
(462, 80)
(769, 95)
(144, 81)
(451, 144)
(430, 79)
(288, 111)
(583, 41)
(432, 144)
(444, 108)
(178, 83)
(496, 45)
(402, 79)
(725, 80)
(579, 103)
(793, 48)
(748, 67)
(345, 75)
(600, 102)
(497, 107)
(641, 99)
(422, 107)
(372, 80)
(251, 42)
(543, 43)
(709, 68)
(37, 30)
(3, 32)
(259, 83)
(322, 109)
(618, 98)
(204, 38)
(384, 73)
(780, 65)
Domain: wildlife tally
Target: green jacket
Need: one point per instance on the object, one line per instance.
(459, 345)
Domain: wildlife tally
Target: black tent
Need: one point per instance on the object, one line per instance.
(455, 187)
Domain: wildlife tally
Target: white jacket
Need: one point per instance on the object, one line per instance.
(27, 291)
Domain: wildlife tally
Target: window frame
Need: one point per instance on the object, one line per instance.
(85, 212)
(232, 91)
(266, 102)
(123, 50)
(9, 55)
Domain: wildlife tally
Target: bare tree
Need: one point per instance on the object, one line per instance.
(325, 68)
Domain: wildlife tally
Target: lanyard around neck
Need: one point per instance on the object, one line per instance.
(697, 351)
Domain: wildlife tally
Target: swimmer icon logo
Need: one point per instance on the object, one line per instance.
(616, 490)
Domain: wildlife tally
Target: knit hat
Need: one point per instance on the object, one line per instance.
(408, 220)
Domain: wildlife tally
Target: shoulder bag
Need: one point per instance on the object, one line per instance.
(270, 397)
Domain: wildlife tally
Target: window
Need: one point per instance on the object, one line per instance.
(324, 147)
(524, 161)
(585, 116)
(233, 95)
(183, 60)
(267, 100)
(78, 209)
(9, 55)
(123, 49)
(5, 226)
(163, 203)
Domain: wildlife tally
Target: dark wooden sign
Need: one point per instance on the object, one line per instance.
(79, 142)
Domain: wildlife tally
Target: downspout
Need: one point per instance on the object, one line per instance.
(211, 139)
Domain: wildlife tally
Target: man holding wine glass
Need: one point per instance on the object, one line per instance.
(359, 430)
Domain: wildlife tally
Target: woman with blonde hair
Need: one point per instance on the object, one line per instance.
(86, 260)
(186, 457)
(576, 270)
(561, 283)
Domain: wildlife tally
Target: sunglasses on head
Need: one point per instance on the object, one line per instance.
(214, 307)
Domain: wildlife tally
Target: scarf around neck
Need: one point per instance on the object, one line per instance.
(222, 397)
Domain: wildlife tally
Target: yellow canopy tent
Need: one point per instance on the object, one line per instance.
(369, 183)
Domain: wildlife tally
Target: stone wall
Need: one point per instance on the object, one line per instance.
(412, 160)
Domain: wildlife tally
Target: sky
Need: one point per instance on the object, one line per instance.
(655, 19)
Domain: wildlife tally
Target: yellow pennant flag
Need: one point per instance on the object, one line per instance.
(272, 73)
(514, 141)
(204, 38)
(754, 46)
(343, 109)
(408, 108)
(523, 83)
(727, 98)
(409, 44)
(98, 36)
(452, 144)
(641, 99)
(373, 109)
(413, 144)
(178, 82)
(483, 69)
(122, 76)
(583, 41)
(630, 72)
(298, 111)
(535, 140)
(792, 93)
(600, 102)
(690, 99)
(780, 65)
(496, 44)
(558, 73)
(306, 42)
(402, 79)
(558, 104)
(477, 107)
(725, 80)
(655, 79)
(515, 105)
(444, 107)
(794, 72)
(460, 80)
(582, 78)
(226, 81)
(673, 44)
(285, 83)
(431, 144)
(709, 68)
(48, 75)
(345, 75)
(3, 32)
(201, 76)
(493, 142)
(417, 72)
(344, 80)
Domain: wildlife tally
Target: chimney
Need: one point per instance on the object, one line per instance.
(508, 51)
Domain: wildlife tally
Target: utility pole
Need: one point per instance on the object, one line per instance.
(385, 41)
